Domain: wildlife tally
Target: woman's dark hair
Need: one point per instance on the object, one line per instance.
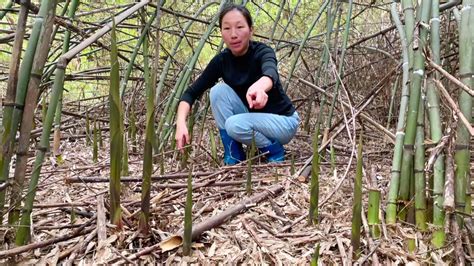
(242, 9)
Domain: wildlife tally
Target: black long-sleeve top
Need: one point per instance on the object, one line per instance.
(240, 72)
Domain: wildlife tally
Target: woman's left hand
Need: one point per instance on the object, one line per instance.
(257, 93)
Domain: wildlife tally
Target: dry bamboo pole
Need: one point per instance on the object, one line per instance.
(466, 72)
(391, 212)
(23, 231)
(57, 118)
(303, 42)
(26, 126)
(10, 96)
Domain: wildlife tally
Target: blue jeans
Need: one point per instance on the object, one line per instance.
(233, 116)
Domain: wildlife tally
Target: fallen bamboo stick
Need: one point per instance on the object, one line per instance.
(95, 179)
(453, 105)
(22, 249)
(176, 240)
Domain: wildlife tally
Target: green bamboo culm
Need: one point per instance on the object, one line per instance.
(116, 133)
(57, 118)
(26, 126)
(148, 149)
(95, 144)
(163, 75)
(314, 185)
(188, 216)
(5, 126)
(130, 65)
(277, 19)
(13, 115)
(44, 107)
(407, 55)
(332, 157)
(212, 140)
(250, 154)
(357, 204)
(466, 70)
(181, 84)
(124, 171)
(436, 132)
(8, 5)
(340, 71)
(416, 80)
(419, 174)
(132, 129)
(99, 135)
(315, 256)
(373, 213)
(88, 130)
(303, 42)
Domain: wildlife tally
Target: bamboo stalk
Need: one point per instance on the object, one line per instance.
(8, 104)
(314, 186)
(116, 134)
(463, 136)
(416, 80)
(277, 19)
(250, 155)
(169, 111)
(303, 41)
(26, 126)
(433, 106)
(340, 72)
(357, 204)
(8, 5)
(148, 149)
(23, 230)
(162, 79)
(391, 211)
(419, 176)
(188, 217)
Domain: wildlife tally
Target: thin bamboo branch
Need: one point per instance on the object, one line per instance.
(451, 77)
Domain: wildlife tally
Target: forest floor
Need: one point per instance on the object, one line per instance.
(275, 231)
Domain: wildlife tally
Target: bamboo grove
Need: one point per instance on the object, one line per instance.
(401, 69)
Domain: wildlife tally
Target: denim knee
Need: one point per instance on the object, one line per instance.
(236, 130)
(217, 91)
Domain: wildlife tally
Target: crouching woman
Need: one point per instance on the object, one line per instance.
(250, 100)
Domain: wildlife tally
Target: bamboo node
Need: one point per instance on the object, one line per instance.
(419, 72)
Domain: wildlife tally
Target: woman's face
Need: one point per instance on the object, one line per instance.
(236, 32)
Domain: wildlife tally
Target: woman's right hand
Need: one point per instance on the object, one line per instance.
(182, 136)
